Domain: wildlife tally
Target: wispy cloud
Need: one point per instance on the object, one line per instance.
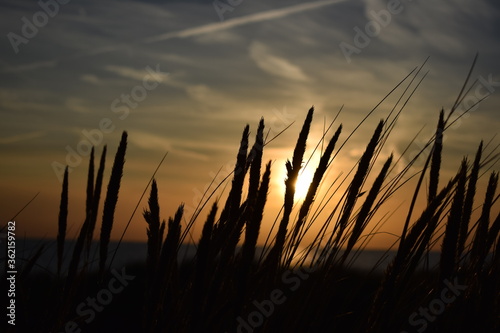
(22, 137)
(130, 73)
(31, 66)
(159, 143)
(77, 105)
(190, 32)
(235, 22)
(275, 65)
(150, 141)
(89, 78)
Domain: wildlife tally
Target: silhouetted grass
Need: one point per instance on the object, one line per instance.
(63, 221)
(110, 202)
(312, 289)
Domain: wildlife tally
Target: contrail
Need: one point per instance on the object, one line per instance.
(235, 22)
(190, 32)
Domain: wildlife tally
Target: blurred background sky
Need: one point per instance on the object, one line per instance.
(196, 72)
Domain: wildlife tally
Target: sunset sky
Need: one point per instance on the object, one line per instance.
(187, 76)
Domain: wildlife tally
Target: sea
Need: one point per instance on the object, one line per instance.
(122, 254)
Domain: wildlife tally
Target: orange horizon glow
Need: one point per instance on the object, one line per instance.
(190, 83)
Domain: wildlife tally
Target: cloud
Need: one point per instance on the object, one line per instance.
(190, 32)
(156, 142)
(445, 27)
(89, 78)
(235, 22)
(199, 92)
(274, 65)
(127, 72)
(76, 104)
(22, 137)
(150, 141)
(221, 37)
(31, 66)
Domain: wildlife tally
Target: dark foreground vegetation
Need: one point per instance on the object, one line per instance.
(293, 286)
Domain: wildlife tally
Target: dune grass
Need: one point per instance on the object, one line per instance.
(220, 287)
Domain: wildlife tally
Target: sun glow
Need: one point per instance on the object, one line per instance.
(304, 179)
(303, 183)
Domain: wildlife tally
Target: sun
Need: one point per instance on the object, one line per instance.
(303, 182)
(306, 175)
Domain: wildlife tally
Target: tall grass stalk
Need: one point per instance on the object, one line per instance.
(449, 251)
(110, 202)
(63, 221)
(324, 162)
(293, 169)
